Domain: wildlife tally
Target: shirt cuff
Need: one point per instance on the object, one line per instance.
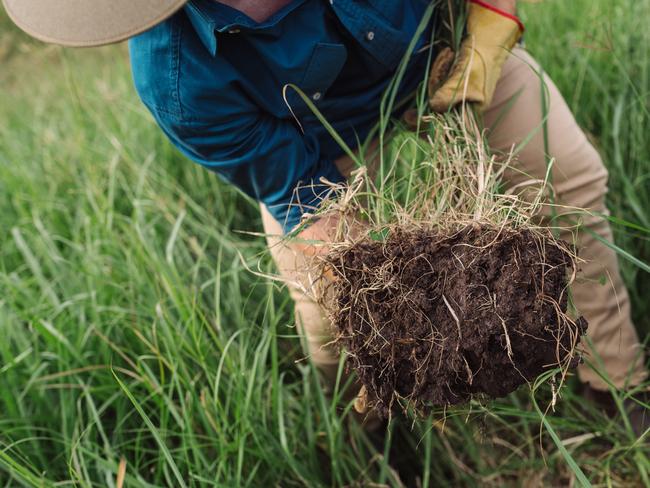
(306, 197)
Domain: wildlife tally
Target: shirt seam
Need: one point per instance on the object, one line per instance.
(175, 68)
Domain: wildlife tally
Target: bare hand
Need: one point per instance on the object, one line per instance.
(314, 240)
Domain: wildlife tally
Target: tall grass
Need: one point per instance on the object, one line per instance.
(131, 329)
(598, 53)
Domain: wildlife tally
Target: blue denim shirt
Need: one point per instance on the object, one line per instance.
(213, 79)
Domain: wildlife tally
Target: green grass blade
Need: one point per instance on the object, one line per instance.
(154, 431)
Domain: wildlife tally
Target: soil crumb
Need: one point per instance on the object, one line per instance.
(429, 320)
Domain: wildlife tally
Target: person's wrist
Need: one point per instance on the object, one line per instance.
(506, 6)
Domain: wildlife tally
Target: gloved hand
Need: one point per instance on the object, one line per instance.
(491, 34)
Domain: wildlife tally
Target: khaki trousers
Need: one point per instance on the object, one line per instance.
(579, 180)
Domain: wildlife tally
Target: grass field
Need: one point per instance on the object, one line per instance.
(131, 329)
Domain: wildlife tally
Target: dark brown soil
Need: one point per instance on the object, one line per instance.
(430, 320)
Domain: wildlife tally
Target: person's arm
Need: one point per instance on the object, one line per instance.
(215, 114)
(268, 158)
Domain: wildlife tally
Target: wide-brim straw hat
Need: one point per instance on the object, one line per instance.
(88, 22)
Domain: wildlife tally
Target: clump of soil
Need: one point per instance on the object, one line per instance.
(428, 319)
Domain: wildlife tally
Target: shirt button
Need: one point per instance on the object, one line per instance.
(234, 31)
(370, 35)
(317, 96)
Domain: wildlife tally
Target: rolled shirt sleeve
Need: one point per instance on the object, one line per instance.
(267, 158)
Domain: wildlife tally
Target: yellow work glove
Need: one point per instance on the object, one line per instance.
(491, 34)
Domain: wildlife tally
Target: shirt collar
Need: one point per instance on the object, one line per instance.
(206, 21)
(209, 17)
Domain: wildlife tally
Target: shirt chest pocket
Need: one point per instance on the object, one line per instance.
(323, 68)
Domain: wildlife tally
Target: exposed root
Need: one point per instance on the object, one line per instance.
(455, 317)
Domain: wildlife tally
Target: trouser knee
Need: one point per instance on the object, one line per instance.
(585, 189)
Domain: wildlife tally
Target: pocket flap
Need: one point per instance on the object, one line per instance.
(323, 68)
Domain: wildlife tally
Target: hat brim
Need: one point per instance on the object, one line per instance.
(85, 23)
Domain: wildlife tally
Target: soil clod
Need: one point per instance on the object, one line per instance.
(430, 319)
